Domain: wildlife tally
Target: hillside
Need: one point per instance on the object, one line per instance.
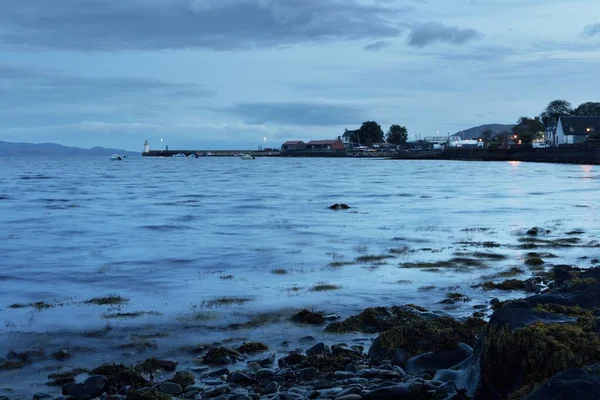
(473, 133)
(53, 149)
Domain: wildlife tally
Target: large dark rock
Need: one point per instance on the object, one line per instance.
(440, 360)
(572, 384)
(308, 317)
(93, 386)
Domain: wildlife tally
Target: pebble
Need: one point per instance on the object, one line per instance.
(349, 397)
(318, 349)
(343, 374)
(212, 382)
(323, 384)
(309, 372)
(171, 388)
(216, 391)
(351, 390)
(351, 368)
(264, 359)
(240, 378)
(272, 387)
(265, 373)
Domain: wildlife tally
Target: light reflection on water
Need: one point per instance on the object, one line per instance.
(164, 233)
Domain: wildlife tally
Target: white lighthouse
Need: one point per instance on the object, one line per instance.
(146, 147)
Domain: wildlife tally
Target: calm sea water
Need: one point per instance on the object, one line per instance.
(175, 235)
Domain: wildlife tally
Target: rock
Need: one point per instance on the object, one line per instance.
(308, 339)
(354, 396)
(343, 374)
(331, 317)
(218, 372)
(264, 359)
(272, 387)
(291, 359)
(212, 382)
(531, 284)
(397, 392)
(323, 384)
(76, 390)
(309, 372)
(265, 373)
(383, 374)
(440, 360)
(308, 317)
(96, 385)
(42, 396)
(221, 355)
(61, 355)
(536, 230)
(318, 349)
(171, 388)
(337, 206)
(350, 390)
(342, 350)
(447, 301)
(167, 365)
(351, 368)
(572, 384)
(216, 391)
(240, 378)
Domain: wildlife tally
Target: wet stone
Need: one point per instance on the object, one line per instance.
(309, 372)
(350, 391)
(264, 359)
(344, 374)
(308, 339)
(212, 382)
(323, 384)
(218, 372)
(171, 388)
(216, 391)
(272, 387)
(265, 373)
(351, 368)
(240, 378)
(318, 349)
(42, 396)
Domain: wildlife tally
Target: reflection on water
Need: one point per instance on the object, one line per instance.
(198, 245)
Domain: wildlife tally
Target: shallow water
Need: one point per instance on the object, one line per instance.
(174, 235)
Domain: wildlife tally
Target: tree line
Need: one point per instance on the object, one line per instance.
(370, 132)
(528, 129)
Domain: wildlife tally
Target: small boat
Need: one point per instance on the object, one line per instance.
(179, 155)
(116, 157)
(247, 157)
(192, 155)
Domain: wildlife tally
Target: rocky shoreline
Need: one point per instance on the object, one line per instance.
(546, 346)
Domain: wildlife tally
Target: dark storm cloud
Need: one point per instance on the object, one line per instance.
(591, 30)
(170, 24)
(429, 33)
(376, 46)
(297, 113)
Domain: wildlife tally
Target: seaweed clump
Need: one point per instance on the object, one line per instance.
(183, 378)
(508, 284)
(517, 361)
(252, 347)
(119, 375)
(422, 335)
(147, 395)
(405, 328)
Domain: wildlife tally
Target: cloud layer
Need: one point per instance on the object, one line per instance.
(429, 33)
(117, 25)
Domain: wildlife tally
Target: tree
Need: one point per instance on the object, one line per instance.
(370, 132)
(588, 109)
(397, 134)
(555, 109)
(528, 129)
(486, 136)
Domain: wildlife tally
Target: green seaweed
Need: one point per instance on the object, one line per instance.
(183, 378)
(108, 300)
(508, 284)
(252, 347)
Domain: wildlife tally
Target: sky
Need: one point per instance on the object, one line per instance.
(236, 74)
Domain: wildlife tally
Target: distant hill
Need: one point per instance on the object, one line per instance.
(474, 133)
(53, 149)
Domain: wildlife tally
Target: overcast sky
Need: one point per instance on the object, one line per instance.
(216, 74)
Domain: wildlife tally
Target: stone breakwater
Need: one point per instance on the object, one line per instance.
(546, 346)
